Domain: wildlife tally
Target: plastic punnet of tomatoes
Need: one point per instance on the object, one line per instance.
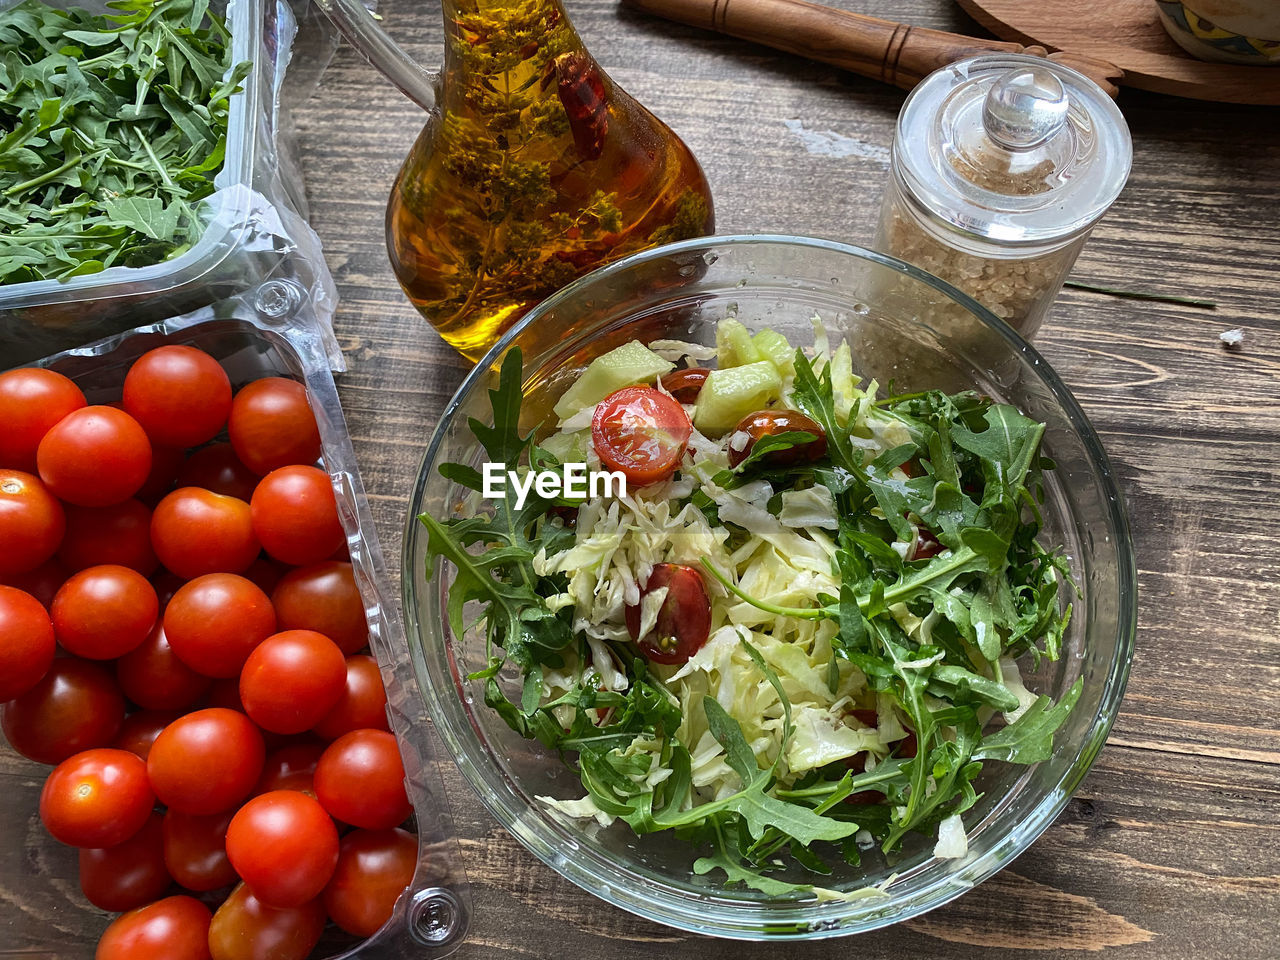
(212, 708)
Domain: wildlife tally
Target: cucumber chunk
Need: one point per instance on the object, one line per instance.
(773, 346)
(734, 346)
(729, 395)
(623, 366)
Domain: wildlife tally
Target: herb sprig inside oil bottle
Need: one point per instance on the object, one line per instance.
(536, 169)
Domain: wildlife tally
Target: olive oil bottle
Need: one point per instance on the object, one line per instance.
(533, 169)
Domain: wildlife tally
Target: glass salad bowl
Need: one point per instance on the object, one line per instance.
(905, 327)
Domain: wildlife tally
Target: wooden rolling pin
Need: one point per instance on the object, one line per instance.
(868, 46)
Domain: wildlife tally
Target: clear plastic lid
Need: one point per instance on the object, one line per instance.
(1013, 149)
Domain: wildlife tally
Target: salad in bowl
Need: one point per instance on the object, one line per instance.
(786, 626)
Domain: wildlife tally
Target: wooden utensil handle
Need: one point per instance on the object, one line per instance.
(868, 46)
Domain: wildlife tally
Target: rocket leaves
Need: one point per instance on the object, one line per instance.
(112, 129)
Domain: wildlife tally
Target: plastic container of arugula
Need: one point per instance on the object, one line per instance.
(747, 829)
(195, 201)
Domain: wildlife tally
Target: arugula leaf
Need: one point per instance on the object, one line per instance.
(1029, 739)
(112, 129)
(728, 733)
(501, 576)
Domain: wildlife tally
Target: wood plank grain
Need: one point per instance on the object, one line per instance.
(1171, 849)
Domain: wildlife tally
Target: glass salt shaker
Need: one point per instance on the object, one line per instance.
(1001, 167)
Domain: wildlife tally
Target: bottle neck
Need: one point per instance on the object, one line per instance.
(508, 44)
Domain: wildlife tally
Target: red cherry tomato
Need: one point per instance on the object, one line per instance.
(195, 850)
(139, 730)
(119, 534)
(195, 532)
(207, 761)
(225, 693)
(374, 868)
(179, 394)
(42, 582)
(217, 469)
(362, 705)
(76, 705)
(104, 612)
(323, 597)
(684, 619)
(165, 462)
(214, 622)
(26, 642)
(272, 426)
(925, 546)
(97, 798)
(291, 680)
(31, 522)
(642, 432)
(360, 780)
(128, 875)
(284, 846)
(152, 676)
(267, 575)
(94, 457)
(245, 928)
(290, 768)
(175, 928)
(769, 423)
(31, 401)
(296, 516)
(686, 384)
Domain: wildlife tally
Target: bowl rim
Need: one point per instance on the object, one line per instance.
(806, 919)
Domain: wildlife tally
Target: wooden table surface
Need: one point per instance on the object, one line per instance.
(1171, 849)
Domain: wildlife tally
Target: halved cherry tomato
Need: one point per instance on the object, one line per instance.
(925, 546)
(686, 384)
(206, 762)
(175, 928)
(76, 705)
(32, 522)
(291, 680)
(94, 457)
(360, 780)
(179, 394)
(27, 645)
(97, 798)
(767, 423)
(195, 849)
(284, 846)
(684, 619)
(195, 532)
(104, 612)
(31, 402)
(245, 928)
(119, 534)
(641, 432)
(374, 867)
(272, 426)
(128, 875)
